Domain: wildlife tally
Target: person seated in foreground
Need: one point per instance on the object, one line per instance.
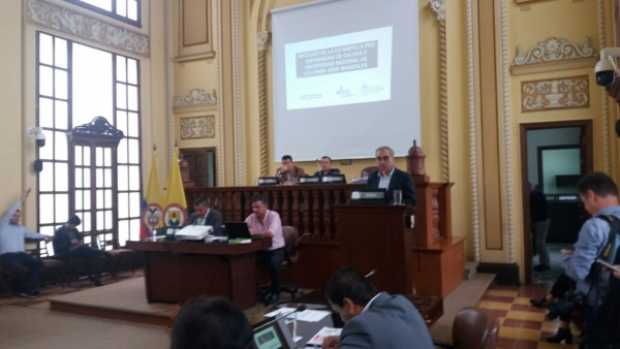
(267, 224)
(289, 173)
(13, 255)
(373, 319)
(211, 324)
(326, 169)
(68, 244)
(390, 178)
(205, 215)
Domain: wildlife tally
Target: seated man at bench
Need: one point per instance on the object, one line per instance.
(12, 251)
(68, 244)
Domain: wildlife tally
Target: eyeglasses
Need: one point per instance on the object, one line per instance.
(383, 158)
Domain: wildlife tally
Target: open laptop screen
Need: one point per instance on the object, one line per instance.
(270, 337)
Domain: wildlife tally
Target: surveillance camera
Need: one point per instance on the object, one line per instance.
(604, 72)
(606, 68)
(36, 133)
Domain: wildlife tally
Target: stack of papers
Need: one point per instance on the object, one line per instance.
(307, 315)
(194, 232)
(317, 339)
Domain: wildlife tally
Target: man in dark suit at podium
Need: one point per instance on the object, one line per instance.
(390, 178)
(205, 215)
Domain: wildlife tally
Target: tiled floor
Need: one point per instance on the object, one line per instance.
(521, 325)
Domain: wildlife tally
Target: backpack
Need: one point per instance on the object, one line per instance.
(611, 297)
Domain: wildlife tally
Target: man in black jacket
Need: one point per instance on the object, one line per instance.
(205, 215)
(390, 178)
(326, 169)
(68, 244)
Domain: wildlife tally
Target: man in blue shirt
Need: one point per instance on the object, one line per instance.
(599, 195)
(12, 250)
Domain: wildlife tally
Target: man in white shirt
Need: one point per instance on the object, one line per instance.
(267, 224)
(12, 250)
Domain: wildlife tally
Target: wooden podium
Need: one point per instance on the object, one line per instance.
(376, 238)
(438, 257)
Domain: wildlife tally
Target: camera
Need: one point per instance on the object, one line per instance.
(606, 67)
(604, 73)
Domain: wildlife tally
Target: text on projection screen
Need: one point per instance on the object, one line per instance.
(339, 70)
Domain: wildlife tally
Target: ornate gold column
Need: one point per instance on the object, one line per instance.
(438, 6)
(263, 39)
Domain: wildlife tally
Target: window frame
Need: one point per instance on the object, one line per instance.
(112, 13)
(92, 232)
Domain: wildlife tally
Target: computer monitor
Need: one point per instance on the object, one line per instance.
(237, 230)
(274, 335)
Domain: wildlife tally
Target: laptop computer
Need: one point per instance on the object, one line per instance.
(273, 335)
(237, 230)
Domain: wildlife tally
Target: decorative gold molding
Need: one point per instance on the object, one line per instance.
(198, 50)
(69, 21)
(439, 8)
(510, 233)
(473, 131)
(197, 127)
(553, 54)
(238, 93)
(553, 94)
(576, 63)
(602, 34)
(197, 97)
(262, 44)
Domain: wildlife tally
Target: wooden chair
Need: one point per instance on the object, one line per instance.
(473, 329)
(291, 256)
(368, 171)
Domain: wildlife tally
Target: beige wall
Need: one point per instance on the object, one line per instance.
(17, 151)
(11, 133)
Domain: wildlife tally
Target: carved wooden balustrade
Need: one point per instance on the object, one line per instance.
(308, 208)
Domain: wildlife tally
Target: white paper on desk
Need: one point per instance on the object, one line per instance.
(318, 338)
(310, 315)
(307, 315)
(280, 311)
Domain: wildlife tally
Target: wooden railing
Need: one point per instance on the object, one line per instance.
(308, 208)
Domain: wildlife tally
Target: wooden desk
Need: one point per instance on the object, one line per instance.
(177, 271)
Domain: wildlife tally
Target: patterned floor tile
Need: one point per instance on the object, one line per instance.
(495, 305)
(522, 326)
